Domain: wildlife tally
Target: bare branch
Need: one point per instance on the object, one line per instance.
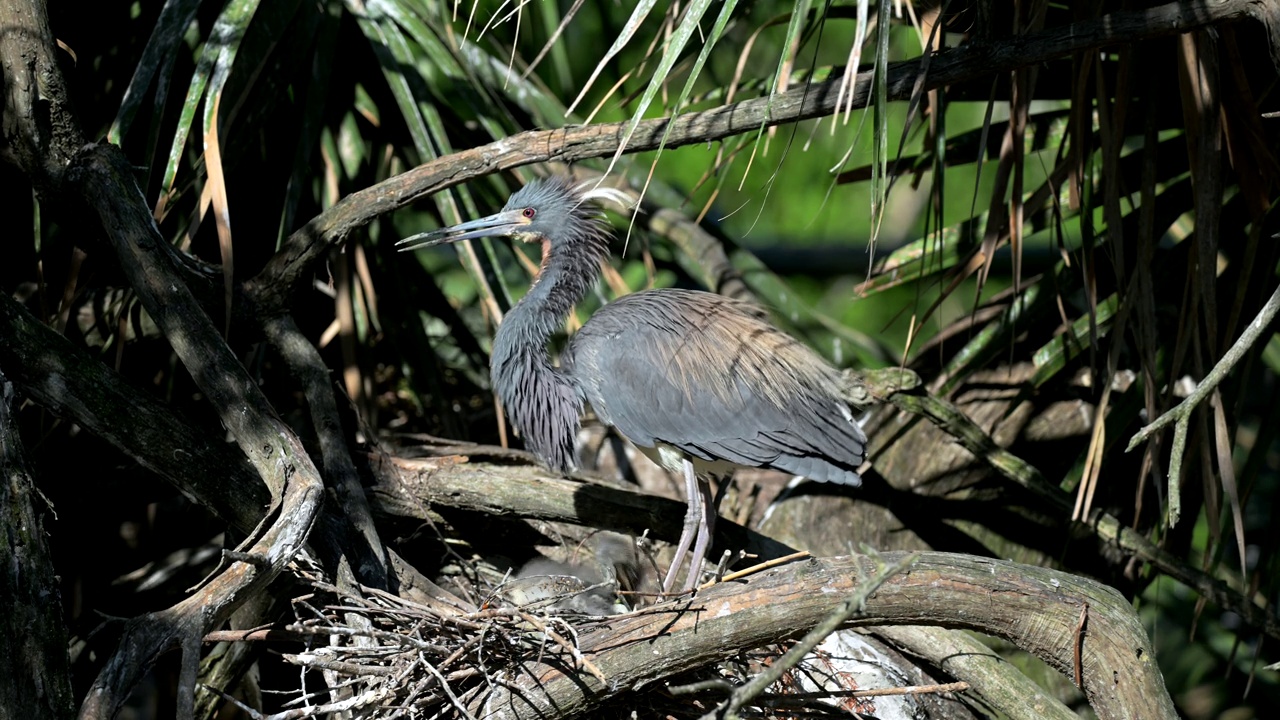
(290, 267)
(1035, 608)
(102, 176)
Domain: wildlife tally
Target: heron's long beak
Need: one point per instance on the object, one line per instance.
(503, 223)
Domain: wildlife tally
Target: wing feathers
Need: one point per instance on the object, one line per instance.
(708, 375)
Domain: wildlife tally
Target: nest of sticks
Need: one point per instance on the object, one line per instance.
(373, 654)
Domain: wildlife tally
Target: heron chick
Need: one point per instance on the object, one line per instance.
(699, 382)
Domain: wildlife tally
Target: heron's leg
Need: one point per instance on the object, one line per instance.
(706, 531)
(692, 520)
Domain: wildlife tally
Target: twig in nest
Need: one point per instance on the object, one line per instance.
(368, 697)
(346, 668)
(570, 648)
(447, 690)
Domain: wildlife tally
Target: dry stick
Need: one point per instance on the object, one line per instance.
(882, 692)
(726, 686)
(339, 666)
(444, 686)
(853, 605)
(1181, 415)
(565, 645)
(739, 574)
(1079, 646)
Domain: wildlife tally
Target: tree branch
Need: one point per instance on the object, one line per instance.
(38, 132)
(1035, 608)
(410, 487)
(38, 672)
(102, 176)
(288, 270)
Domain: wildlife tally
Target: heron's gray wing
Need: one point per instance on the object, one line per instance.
(709, 376)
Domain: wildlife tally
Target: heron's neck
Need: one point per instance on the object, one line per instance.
(561, 283)
(542, 402)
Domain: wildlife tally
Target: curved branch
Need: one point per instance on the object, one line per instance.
(999, 683)
(289, 268)
(103, 178)
(1037, 609)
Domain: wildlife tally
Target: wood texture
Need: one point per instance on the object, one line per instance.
(33, 637)
(1035, 608)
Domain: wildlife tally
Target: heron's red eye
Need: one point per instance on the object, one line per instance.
(529, 213)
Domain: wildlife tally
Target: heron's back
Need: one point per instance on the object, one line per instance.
(711, 377)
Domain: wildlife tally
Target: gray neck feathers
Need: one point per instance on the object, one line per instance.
(542, 402)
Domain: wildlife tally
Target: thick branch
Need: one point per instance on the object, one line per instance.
(1035, 608)
(103, 178)
(37, 671)
(38, 131)
(999, 683)
(289, 268)
(409, 488)
(48, 369)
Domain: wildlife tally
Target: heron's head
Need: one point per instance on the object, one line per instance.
(552, 210)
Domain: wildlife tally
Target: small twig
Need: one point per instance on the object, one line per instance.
(738, 574)
(366, 698)
(369, 697)
(1079, 646)
(882, 692)
(264, 632)
(400, 638)
(251, 712)
(346, 668)
(722, 566)
(565, 644)
(851, 606)
(1181, 414)
(724, 687)
(447, 690)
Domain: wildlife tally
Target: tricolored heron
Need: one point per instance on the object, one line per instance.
(699, 382)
